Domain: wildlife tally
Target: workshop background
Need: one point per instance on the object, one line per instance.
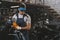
(45, 16)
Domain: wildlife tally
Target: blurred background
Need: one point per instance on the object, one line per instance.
(45, 16)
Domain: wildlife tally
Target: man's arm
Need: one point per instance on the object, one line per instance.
(26, 27)
(28, 22)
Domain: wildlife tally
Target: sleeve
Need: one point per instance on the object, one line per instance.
(29, 19)
(14, 17)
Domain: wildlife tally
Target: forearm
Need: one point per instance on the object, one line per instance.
(25, 28)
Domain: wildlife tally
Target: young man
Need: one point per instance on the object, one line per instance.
(23, 22)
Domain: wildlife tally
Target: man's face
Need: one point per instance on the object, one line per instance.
(21, 12)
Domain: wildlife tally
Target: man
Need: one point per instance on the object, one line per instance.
(22, 22)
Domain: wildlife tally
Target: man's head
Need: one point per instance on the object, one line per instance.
(21, 10)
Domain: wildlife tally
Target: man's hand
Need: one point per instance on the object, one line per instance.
(18, 27)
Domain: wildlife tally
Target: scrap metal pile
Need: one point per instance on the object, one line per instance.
(45, 25)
